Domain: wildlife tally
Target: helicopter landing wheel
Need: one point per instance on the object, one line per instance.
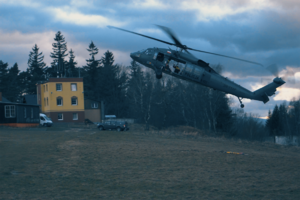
(240, 99)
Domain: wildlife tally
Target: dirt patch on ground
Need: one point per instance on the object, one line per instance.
(90, 164)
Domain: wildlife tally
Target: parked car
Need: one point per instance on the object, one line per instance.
(45, 121)
(117, 125)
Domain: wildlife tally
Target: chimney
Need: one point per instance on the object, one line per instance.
(0, 96)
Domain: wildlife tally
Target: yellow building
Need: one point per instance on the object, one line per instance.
(62, 99)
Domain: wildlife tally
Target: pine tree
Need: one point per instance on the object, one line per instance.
(269, 121)
(91, 73)
(109, 84)
(13, 87)
(58, 55)
(3, 77)
(283, 117)
(36, 67)
(274, 121)
(108, 59)
(71, 67)
(24, 81)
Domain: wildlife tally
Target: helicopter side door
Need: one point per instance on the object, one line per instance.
(160, 57)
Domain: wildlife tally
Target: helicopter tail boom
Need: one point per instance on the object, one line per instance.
(263, 93)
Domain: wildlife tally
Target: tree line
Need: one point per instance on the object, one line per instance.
(134, 92)
(284, 120)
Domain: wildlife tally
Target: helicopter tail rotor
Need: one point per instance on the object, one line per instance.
(288, 74)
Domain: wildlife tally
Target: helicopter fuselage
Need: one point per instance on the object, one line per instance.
(186, 67)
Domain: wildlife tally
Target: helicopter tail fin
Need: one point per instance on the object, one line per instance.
(263, 93)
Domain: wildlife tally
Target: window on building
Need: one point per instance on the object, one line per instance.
(60, 116)
(73, 86)
(74, 101)
(58, 87)
(44, 101)
(94, 105)
(10, 112)
(44, 89)
(25, 113)
(47, 102)
(31, 112)
(59, 101)
(75, 116)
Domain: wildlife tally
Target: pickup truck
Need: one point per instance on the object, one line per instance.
(117, 125)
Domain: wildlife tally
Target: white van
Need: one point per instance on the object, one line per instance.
(45, 121)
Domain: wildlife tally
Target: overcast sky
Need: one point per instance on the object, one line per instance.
(263, 31)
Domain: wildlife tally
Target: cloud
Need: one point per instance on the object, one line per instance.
(287, 94)
(216, 10)
(75, 17)
(20, 44)
(149, 4)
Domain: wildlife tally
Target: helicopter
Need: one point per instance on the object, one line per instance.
(188, 67)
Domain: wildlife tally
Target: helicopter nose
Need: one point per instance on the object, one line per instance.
(135, 55)
(131, 55)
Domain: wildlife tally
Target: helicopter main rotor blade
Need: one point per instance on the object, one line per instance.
(172, 35)
(248, 61)
(142, 35)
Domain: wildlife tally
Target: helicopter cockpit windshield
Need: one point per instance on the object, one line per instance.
(148, 52)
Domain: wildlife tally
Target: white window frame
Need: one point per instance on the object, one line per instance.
(8, 111)
(62, 116)
(60, 86)
(94, 105)
(72, 101)
(60, 101)
(72, 87)
(76, 114)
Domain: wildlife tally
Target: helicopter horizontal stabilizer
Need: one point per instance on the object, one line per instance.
(263, 93)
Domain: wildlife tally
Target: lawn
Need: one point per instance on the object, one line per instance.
(89, 164)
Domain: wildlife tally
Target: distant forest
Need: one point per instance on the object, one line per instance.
(134, 92)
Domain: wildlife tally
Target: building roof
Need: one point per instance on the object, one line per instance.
(21, 104)
(59, 80)
(31, 99)
(5, 100)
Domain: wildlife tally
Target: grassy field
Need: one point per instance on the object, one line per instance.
(89, 164)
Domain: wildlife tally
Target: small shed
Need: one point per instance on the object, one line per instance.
(92, 110)
(19, 115)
